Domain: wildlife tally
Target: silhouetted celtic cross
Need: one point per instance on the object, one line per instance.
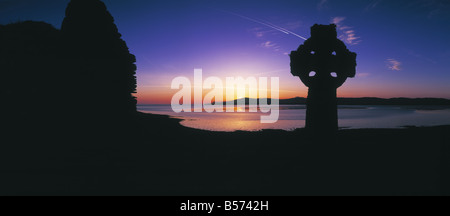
(323, 64)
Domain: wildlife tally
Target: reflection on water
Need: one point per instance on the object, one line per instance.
(293, 116)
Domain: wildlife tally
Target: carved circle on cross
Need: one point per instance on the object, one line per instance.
(323, 60)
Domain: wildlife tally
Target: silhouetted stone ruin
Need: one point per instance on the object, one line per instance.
(323, 64)
(101, 64)
(29, 70)
(83, 72)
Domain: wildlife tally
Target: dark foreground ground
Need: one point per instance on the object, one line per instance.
(157, 156)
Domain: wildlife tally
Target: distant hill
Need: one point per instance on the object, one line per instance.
(364, 101)
(393, 101)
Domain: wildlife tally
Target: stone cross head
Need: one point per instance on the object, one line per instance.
(323, 60)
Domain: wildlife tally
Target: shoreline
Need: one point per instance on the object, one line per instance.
(181, 119)
(159, 156)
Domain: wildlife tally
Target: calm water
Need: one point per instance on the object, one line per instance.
(293, 116)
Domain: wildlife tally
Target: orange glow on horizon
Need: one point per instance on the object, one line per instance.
(164, 96)
(291, 88)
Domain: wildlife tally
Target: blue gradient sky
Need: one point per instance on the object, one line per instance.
(403, 46)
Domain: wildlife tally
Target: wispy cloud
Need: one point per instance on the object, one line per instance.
(267, 29)
(271, 45)
(268, 44)
(323, 4)
(372, 5)
(361, 75)
(348, 34)
(351, 37)
(337, 20)
(259, 34)
(394, 64)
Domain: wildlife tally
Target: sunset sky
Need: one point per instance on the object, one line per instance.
(403, 46)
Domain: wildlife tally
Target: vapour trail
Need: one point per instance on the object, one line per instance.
(268, 25)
